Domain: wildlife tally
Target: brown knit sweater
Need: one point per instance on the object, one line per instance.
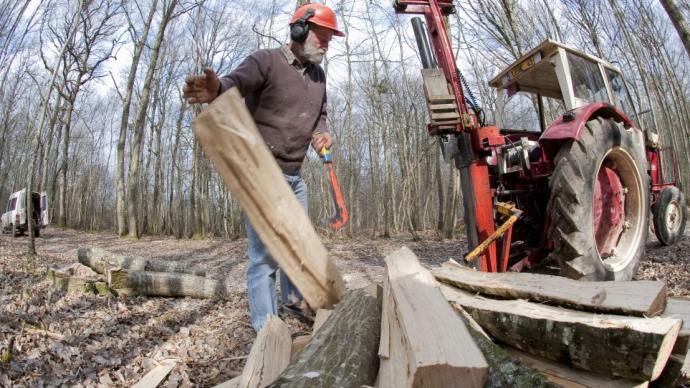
(288, 102)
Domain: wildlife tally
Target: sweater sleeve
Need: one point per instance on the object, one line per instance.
(248, 77)
(321, 125)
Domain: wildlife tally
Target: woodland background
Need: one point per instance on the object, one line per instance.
(91, 109)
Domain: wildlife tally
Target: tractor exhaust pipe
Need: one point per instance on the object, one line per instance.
(428, 60)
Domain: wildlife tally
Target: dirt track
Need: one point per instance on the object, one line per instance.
(91, 340)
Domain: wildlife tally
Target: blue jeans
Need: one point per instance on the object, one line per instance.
(261, 272)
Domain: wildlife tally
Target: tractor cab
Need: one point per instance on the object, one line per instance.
(554, 78)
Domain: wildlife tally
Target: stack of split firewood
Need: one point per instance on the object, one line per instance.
(103, 272)
(455, 327)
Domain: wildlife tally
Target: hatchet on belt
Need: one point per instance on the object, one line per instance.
(340, 216)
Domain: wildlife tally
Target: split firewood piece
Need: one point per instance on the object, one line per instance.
(429, 344)
(156, 375)
(503, 371)
(594, 342)
(321, 317)
(99, 260)
(269, 356)
(298, 344)
(639, 298)
(127, 282)
(342, 353)
(680, 308)
(674, 374)
(231, 140)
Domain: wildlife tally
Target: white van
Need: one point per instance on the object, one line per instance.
(14, 218)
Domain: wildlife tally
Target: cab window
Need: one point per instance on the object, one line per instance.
(588, 84)
(12, 204)
(621, 98)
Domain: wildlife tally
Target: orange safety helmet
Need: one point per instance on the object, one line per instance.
(323, 16)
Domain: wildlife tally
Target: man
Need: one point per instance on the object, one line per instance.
(285, 91)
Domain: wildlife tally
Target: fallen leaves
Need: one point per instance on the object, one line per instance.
(90, 340)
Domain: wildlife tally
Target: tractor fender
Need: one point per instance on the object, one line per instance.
(569, 125)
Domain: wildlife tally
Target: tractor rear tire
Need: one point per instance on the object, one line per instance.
(670, 215)
(599, 205)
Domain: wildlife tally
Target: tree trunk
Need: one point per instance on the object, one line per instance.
(679, 22)
(138, 137)
(124, 123)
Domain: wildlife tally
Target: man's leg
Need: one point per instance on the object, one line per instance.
(261, 279)
(289, 294)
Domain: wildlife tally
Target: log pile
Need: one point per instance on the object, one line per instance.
(454, 327)
(106, 273)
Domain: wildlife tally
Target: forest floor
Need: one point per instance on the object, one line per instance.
(88, 340)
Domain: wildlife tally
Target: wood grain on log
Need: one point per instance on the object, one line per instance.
(231, 140)
(269, 356)
(429, 345)
(639, 298)
(631, 347)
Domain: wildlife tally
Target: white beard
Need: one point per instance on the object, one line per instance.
(313, 54)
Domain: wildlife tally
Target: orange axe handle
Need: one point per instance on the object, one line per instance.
(341, 216)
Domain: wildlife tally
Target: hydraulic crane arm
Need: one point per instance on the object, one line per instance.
(474, 172)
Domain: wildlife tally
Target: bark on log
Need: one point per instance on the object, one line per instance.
(342, 353)
(429, 345)
(164, 284)
(62, 279)
(231, 140)
(638, 298)
(269, 356)
(680, 308)
(503, 370)
(100, 260)
(631, 347)
(673, 374)
(565, 376)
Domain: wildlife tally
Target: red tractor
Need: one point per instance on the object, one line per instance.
(578, 187)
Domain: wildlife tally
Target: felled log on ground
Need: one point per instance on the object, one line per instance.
(231, 140)
(77, 279)
(269, 356)
(503, 371)
(99, 260)
(428, 344)
(342, 353)
(680, 308)
(128, 282)
(639, 298)
(631, 347)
